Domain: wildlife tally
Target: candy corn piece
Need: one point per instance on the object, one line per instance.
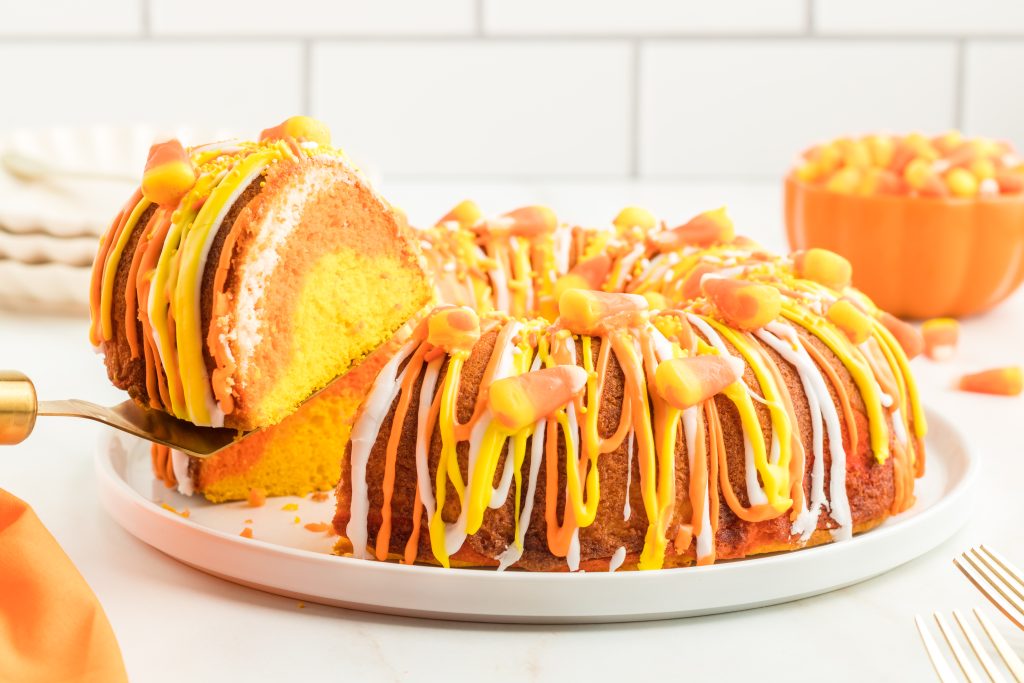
(907, 336)
(584, 311)
(686, 382)
(703, 230)
(302, 128)
(635, 217)
(848, 317)
(824, 267)
(1010, 182)
(690, 285)
(466, 213)
(744, 305)
(169, 174)
(520, 401)
(453, 328)
(587, 274)
(1007, 381)
(962, 182)
(940, 337)
(526, 221)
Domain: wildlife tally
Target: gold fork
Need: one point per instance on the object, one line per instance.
(19, 408)
(987, 569)
(970, 672)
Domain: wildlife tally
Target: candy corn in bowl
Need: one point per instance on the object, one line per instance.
(934, 226)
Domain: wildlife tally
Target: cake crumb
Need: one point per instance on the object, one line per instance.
(257, 497)
(248, 521)
(246, 532)
(290, 507)
(297, 519)
(319, 496)
(182, 513)
(318, 527)
(302, 605)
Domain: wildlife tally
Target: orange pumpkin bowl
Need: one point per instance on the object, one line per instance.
(916, 257)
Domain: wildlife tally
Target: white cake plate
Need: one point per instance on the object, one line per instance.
(286, 558)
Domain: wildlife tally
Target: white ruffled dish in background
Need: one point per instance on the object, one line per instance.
(49, 228)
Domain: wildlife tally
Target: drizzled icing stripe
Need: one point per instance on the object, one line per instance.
(822, 410)
(364, 435)
(199, 400)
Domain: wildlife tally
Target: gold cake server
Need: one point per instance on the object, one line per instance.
(19, 408)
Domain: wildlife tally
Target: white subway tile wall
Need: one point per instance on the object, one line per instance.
(992, 104)
(643, 17)
(690, 125)
(472, 108)
(526, 88)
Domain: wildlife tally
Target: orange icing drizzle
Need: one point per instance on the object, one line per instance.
(391, 455)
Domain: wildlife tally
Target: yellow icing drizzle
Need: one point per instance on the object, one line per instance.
(861, 373)
(197, 391)
(110, 268)
(774, 475)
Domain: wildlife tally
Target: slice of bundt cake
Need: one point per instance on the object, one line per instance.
(242, 277)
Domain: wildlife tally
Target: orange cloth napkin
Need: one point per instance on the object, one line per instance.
(52, 627)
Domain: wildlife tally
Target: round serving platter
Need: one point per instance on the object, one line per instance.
(287, 558)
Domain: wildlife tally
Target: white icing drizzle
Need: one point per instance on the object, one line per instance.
(807, 517)
(618, 557)
(899, 427)
(523, 280)
(422, 438)
(822, 409)
(755, 493)
(706, 537)
(364, 435)
(179, 463)
(626, 512)
(572, 558)
(562, 243)
(514, 551)
(499, 287)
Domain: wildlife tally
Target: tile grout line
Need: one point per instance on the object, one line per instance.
(145, 19)
(634, 110)
(392, 38)
(810, 18)
(306, 64)
(478, 19)
(959, 84)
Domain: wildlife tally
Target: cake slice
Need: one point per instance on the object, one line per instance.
(242, 277)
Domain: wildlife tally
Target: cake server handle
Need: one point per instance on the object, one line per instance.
(18, 407)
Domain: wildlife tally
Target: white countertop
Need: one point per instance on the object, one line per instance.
(177, 624)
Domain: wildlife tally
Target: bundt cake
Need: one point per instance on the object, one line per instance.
(633, 396)
(242, 277)
(730, 403)
(745, 403)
